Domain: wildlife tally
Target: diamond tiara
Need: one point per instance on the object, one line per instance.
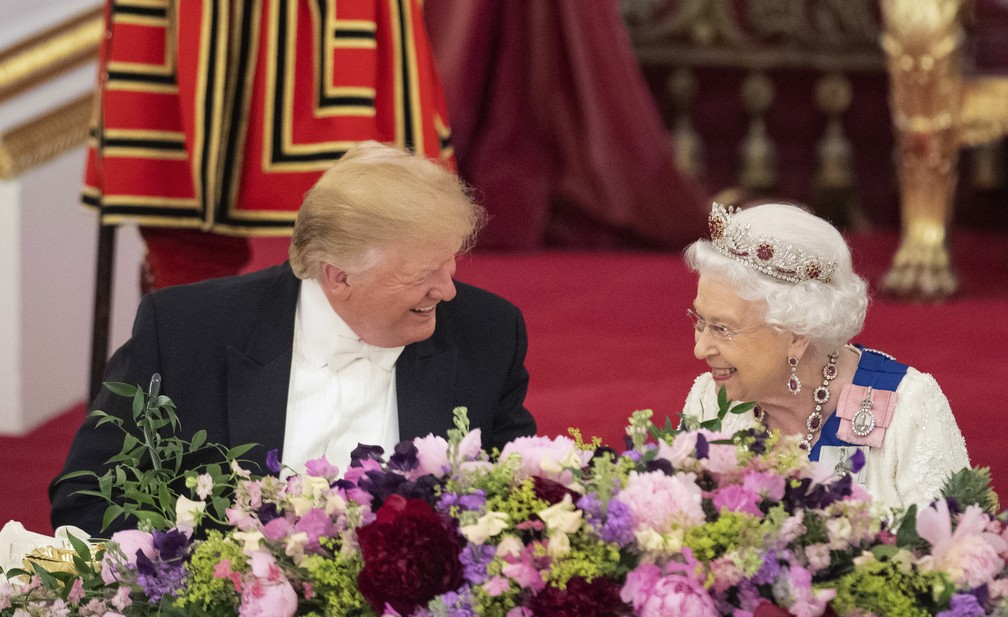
(764, 253)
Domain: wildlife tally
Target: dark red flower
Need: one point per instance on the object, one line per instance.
(411, 554)
(552, 492)
(766, 608)
(600, 597)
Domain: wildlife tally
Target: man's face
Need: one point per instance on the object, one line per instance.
(392, 303)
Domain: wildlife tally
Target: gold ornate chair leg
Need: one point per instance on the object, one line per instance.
(923, 41)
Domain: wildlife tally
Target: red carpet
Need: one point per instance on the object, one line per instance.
(608, 334)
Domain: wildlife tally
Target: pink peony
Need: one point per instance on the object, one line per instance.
(130, 542)
(545, 457)
(970, 554)
(735, 498)
(660, 502)
(671, 595)
(268, 599)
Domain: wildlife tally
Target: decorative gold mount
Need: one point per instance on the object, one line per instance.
(936, 111)
(32, 62)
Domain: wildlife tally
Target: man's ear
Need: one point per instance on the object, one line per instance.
(334, 281)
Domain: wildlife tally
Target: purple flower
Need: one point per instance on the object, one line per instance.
(618, 526)
(702, 447)
(365, 453)
(769, 571)
(962, 605)
(273, 461)
(166, 573)
(171, 544)
(857, 461)
(475, 558)
(404, 458)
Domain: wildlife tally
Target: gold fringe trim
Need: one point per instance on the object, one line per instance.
(44, 138)
(49, 53)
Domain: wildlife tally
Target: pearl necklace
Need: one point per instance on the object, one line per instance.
(820, 396)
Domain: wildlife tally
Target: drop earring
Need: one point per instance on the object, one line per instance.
(793, 384)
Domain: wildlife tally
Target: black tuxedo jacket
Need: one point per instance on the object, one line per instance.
(223, 349)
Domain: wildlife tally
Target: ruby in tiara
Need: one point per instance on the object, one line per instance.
(765, 254)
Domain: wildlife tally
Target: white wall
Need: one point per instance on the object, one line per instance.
(48, 247)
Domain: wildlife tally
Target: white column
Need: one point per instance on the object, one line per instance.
(48, 245)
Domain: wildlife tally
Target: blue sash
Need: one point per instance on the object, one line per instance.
(875, 369)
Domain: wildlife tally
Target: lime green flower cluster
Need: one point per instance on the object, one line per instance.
(715, 538)
(891, 586)
(334, 582)
(203, 590)
(519, 502)
(588, 558)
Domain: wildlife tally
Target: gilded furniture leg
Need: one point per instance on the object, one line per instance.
(923, 42)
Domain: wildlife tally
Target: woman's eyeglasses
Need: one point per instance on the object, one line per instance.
(717, 331)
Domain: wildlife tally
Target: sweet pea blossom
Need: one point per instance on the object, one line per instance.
(682, 447)
(188, 513)
(204, 485)
(432, 456)
(486, 527)
(562, 516)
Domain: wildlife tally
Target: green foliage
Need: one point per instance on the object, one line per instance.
(890, 586)
(972, 486)
(690, 423)
(144, 480)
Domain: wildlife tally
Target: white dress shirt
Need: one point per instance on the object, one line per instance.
(330, 407)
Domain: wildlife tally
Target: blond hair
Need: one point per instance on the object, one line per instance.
(377, 196)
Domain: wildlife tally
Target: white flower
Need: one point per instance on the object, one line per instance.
(188, 513)
(558, 545)
(510, 546)
(204, 485)
(562, 516)
(488, 526)
(250, 540)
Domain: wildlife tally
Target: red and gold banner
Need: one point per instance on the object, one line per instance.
(219, 116)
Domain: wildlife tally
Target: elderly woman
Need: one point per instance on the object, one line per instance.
(777, 303)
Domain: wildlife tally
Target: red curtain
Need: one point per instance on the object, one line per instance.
(554, 126)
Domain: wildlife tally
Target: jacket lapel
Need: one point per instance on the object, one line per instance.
(259, 374)
(425, 388)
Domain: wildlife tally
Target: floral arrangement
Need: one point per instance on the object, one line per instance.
(687, 521)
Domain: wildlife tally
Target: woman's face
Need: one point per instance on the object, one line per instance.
(745, 355)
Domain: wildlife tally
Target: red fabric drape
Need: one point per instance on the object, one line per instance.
(554, 125)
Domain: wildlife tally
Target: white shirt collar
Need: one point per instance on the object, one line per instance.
(318, 317)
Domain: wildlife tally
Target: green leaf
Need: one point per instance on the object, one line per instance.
(112, 512)
(238, 451)
(722, 398)
(122, 389)
(198, 440)
(906, 535)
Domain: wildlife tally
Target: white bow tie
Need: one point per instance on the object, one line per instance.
(347, 350)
